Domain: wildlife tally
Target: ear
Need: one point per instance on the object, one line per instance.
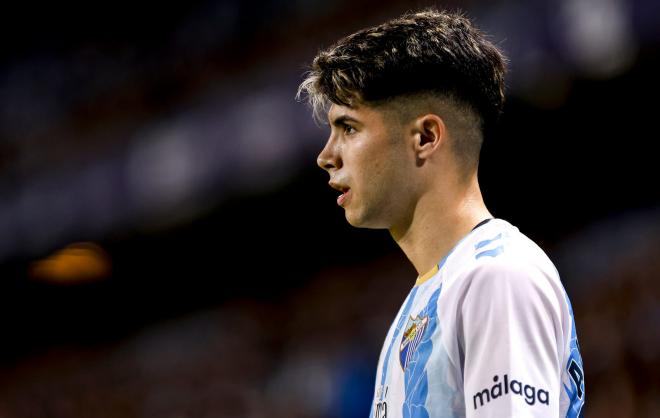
(430, 134)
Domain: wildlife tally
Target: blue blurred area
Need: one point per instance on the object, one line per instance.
(168, 134)
(355, 384)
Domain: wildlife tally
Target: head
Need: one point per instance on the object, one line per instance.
(409, 103)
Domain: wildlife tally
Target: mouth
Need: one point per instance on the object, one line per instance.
(341, 200)
(345, 193)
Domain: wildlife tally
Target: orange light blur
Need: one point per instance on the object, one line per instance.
(77, 263)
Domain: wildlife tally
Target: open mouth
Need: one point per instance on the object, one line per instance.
(345, 193)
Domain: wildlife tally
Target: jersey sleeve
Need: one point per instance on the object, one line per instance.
(509, 331)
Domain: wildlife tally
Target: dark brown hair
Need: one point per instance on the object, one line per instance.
(430, 51)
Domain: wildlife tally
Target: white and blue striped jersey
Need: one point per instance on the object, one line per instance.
(489, 332)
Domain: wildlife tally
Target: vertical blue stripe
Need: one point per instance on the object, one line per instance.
(415, 378)
(395, 335)
(576, 405)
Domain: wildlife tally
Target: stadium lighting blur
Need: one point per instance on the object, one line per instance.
(75, 264)
(599, 37)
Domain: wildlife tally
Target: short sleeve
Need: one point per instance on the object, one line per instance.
(509, 332)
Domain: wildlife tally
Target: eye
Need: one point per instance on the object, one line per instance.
(348, 129)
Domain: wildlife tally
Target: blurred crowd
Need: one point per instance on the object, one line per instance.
(612, 271)
(310, 354)
(313, 352)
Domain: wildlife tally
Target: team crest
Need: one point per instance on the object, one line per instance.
(414, 331)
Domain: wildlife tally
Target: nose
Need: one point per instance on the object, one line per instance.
(329, 157)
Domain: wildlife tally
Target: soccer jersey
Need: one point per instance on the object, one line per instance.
(489, 332)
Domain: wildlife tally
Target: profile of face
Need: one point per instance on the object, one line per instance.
(370, 163)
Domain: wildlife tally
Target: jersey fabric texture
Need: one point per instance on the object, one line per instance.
(489, 332)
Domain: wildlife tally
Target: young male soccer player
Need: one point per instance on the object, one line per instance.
(487, 330)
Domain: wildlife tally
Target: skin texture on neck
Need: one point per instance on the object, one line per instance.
(440, 219)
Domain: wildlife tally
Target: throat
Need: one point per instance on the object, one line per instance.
(427, 242)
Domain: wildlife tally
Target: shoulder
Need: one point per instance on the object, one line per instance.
(500, 250)
(507, 281)
(501, 264)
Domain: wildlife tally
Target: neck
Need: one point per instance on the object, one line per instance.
(439, 220)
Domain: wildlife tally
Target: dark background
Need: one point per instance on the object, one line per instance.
(169, 248)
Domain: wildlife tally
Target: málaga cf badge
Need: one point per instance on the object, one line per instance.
(414, 331)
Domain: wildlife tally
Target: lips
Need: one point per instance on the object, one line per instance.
(345, 192)
(341, 200)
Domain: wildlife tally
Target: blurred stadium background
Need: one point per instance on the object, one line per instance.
(169, 249)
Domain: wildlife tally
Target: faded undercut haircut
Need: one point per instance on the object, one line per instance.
(427, 54)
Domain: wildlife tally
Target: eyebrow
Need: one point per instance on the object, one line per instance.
(341, 120)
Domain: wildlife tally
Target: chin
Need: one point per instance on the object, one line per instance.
(354, 219)
(359, 220)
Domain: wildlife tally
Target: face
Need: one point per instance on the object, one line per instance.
(370, 163)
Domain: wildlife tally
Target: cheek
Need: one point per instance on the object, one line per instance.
(383, 177)
(380, 168)
(398, 180)
(372, 167)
